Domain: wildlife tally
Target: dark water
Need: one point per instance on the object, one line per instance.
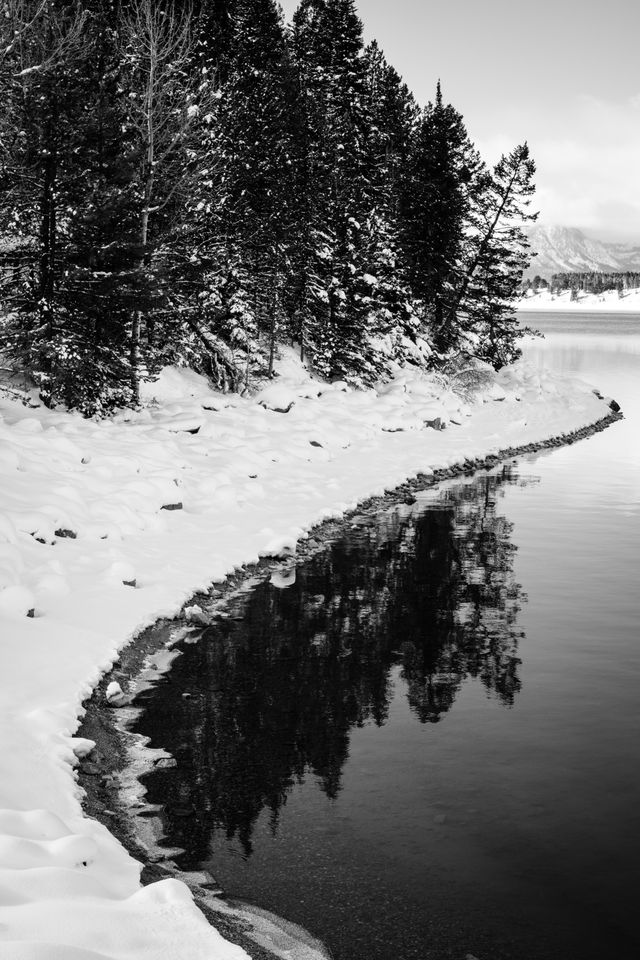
(427, 745)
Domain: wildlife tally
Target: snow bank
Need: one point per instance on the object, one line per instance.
(607, 302)
(106, 526)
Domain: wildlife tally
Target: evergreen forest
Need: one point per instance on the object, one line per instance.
(196, 183)
(593, 281)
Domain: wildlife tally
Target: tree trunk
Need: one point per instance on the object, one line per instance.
(48, 229)
(272, 335)
(219, 351)
(135, 358)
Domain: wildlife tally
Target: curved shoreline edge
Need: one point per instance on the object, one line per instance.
(99, 775)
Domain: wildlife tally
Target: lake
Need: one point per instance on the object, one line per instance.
(424, 743)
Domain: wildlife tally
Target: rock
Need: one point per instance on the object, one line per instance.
(614, 405)
(314, 443)
(91, 769)
(129, 583)
(114, 694)
(166, 763)
(172, 506)
(82, 747)
(283, 577)
(196, 614)
(436, 424)
(63, 533)
(277, 397)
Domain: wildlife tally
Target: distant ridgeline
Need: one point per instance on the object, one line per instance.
(194, 183)
(589, 282)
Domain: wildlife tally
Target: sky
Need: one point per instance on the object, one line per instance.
(564, 75)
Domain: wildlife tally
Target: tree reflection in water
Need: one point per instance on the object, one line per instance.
(268, 698)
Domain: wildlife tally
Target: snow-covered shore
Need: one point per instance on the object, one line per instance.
(607, 302)
(106, 526)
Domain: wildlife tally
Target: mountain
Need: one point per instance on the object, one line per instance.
(567, 250)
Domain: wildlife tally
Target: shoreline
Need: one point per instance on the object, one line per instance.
(99, 773)
(579, 307)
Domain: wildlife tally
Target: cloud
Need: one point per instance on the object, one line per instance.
(587, 155)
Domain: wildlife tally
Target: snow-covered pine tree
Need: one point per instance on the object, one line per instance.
(241, 209)
(213, 34)
(496, 254)
(55, 78)
(100, 288)
(306, 298)
(392, 112)
(336, 287)
(440, 180)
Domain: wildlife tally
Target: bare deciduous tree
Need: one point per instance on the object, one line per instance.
(156, 47)
(164, 99)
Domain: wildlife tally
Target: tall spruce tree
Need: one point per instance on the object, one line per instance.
(101, 287)
(391, 111)
(57, 172)
(441, 180)
(214, 36)
(340, 295)
(242, 206)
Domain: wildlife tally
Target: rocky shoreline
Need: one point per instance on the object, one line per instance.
(99, 773)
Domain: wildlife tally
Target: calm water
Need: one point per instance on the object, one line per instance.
(427, 746)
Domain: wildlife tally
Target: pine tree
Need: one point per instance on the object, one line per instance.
(441, 177)
(338, 292)
(100, 288)
(242, 207)
(213, 35)
(392, 113)
(496, 254)
(51, 87)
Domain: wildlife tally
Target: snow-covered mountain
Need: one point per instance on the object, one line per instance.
(566, 249)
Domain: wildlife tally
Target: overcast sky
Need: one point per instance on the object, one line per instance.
(562, 74)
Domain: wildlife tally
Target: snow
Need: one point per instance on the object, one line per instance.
(608, 302)
(107, 525)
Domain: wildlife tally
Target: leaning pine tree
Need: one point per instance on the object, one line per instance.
(496, 254)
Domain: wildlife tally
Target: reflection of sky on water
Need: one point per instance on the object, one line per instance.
(606, 353)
